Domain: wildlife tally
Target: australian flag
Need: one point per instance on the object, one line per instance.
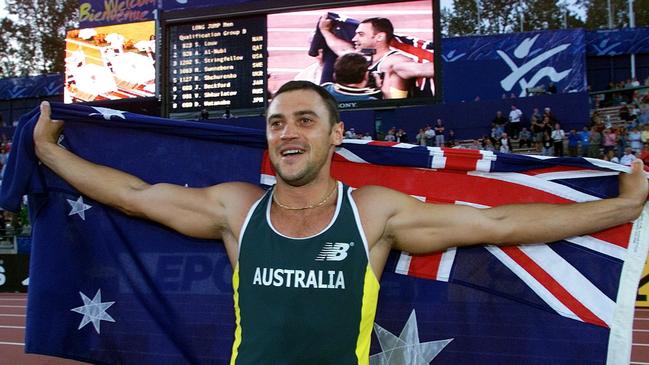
(107, 288)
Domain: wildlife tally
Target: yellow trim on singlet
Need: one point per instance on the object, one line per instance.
(371, 288)
(398, 93)
(237, 314)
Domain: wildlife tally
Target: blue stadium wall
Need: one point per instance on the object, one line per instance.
(519, 65)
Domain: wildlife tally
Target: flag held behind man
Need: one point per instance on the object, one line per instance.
(106, 288)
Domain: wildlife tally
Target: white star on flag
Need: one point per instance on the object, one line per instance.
(107, 112)
(405, 349)
(93, 311)
(78, 207)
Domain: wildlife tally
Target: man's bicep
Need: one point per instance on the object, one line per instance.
(196, 212)
(426, 228)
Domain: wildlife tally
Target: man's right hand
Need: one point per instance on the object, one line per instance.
(325, 24)
(47, 130)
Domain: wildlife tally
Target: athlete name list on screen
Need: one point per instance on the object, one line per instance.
(218, 64)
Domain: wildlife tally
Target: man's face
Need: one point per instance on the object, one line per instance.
(300, 136)
(365, 37)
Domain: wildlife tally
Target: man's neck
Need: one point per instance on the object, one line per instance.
(305, 195)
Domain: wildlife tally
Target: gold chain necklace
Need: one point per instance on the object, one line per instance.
(324, 200)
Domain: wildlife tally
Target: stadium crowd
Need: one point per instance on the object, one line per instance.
(617, 133)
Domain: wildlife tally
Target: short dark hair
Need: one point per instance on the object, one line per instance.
(350, 68)
(330, 103)
(382, 25)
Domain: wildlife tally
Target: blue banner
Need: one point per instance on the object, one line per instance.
(513, 65)
(31, 87)
(186, 4)
(613, 42)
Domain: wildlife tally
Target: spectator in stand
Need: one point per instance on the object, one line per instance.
(537, 130)
(594, 142)
(625, 113)
(634, 139)
(350, 134)
(584, 137)
(367, 136)
(451, 141)
(621, 141)
(573, 143)
(430, 136)
(505, 144)
(536, 114)
(644, 135)
(609, 140)
(628, 157)
(552, 88)
(595, 118)
(421, 137)
(499, 122)
(439, 133)
(610, 156)
(515, 116)
(390, 136)
(402, 136)
(488, 145)
(547, 112)
(644, 155)
(546, 143)
(557, 139)
(525, 138)
(644, 115)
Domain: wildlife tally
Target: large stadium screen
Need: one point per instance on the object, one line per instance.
(110, 62)
(396, 67)
(223, 62)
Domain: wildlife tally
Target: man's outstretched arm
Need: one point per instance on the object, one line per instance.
(417, 227)
(201, 213)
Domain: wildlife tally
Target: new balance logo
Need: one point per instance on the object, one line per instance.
(334, 251)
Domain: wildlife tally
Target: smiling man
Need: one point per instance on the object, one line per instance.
(310, 250)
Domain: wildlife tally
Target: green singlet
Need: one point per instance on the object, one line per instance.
(308, 300)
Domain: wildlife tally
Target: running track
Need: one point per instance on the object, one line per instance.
(12, 333)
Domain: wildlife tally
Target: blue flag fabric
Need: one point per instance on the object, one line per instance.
(106, 288)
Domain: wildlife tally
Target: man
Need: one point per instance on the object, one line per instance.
(439, 133)
(374, 34)
(515, 116)
(628, 157)
(558, 135)
(350, 76)
(270, 237)
(499, 122)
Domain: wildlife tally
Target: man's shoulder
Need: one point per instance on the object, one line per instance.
(379, 196)
(237, 193)
(393, 57)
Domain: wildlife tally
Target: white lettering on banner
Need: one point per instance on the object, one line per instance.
(316, 279)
